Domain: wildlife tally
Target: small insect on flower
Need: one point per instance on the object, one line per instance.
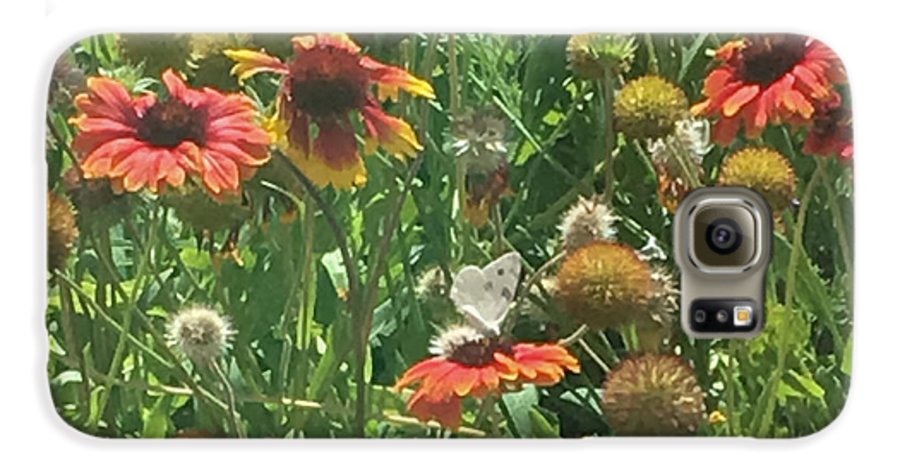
(469, 363)
(199, 332)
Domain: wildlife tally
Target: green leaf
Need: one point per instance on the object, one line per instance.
(847, 361)
(519, 404)
(156, 420)
(809, 384)
(327, 301)
(544, 424)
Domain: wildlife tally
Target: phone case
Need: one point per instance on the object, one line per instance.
(436, 235)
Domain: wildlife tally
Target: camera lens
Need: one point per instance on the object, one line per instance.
(700, 316)
(722, 316)
(723, 236)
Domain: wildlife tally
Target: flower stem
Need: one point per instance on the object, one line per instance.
(235, 419)
(771, 390)
(304, 324)
(609, 136)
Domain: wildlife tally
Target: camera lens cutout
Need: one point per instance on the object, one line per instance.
(722, 316)
(700, 316)
(723, 236)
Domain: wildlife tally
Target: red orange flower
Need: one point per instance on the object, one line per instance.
(767, 79)
(831, 134)
(470, 364)
(326, 83)
(150, 142)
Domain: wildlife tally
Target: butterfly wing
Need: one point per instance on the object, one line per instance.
(484, 295)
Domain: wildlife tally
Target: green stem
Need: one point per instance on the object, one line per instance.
(235, 419)
(119, 352)
(609, 136)
(304, 325)
(769, 399)
(843, 240)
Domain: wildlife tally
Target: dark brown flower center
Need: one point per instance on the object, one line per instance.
(768, 58)
(481, 351)
(170, 122)
(326, 97)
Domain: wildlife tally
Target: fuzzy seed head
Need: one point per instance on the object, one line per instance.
(605, 285)
(593, 55)
(201, 333)
(586, 221)
(157, 52)
(653, 394)
(648, 108)
(479, 140)
(62, 231)
(196, 209)
(762, 169)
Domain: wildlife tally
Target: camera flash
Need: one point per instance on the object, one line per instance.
(742, 316)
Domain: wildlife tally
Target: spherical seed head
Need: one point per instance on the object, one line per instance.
(157, 52)
(586, 221)
(592, 55)
(649, 107)
(653, 394)
(196, 209)
(98, 207)
(201, 333)
(479, 140)
(62, 231)
(605, 284)
(762, 169)
(211, 68)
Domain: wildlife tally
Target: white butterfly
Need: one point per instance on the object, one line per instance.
(484, 295)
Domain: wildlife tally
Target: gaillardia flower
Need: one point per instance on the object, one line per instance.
(326, 84)
(831, 134)
(593, 55)
(605, 285)
(62, 231)
(471, 364)
(653, 394)
(150, 142)
(767, 79)
(586, 221)
(762, 169)
(648, 108)
(201, 333)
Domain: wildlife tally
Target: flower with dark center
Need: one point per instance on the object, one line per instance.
(327, 84)
(767, 79)
(831, 133)
(150, 142)
(470, 364)
(653, 394)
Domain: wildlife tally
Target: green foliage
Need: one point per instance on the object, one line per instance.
(305, 339)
